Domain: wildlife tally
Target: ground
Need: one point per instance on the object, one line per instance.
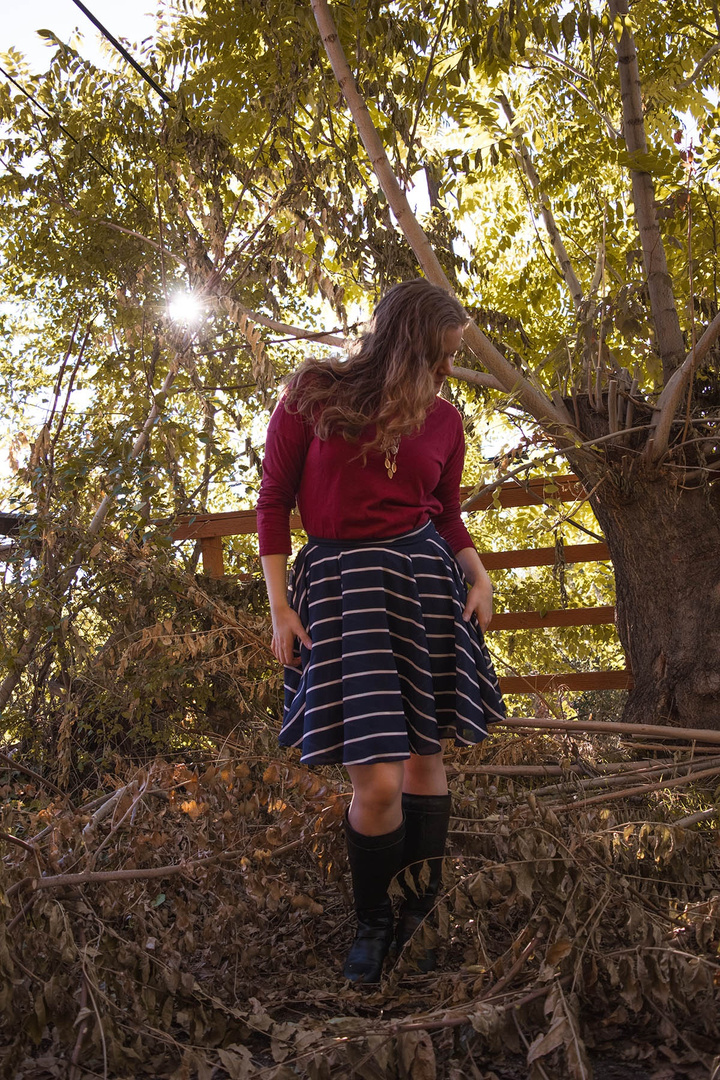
(192, 919)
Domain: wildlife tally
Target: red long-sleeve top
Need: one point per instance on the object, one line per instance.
(339, 498)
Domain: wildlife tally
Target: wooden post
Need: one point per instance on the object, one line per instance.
(212, 556)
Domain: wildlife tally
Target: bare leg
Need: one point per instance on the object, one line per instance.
(425, 775)
(376, 803)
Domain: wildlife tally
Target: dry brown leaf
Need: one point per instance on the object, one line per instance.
(558, 951)
(416, 1056)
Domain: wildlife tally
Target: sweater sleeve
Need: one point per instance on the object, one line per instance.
(286, 446)
(448, 522)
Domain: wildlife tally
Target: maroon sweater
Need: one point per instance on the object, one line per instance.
(339, 498)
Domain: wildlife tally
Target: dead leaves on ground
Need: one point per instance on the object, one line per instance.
(560, 938)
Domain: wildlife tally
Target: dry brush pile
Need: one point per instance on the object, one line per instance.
(175, 901)
(190, 921)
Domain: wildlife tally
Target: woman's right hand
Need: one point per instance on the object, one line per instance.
(286, 627)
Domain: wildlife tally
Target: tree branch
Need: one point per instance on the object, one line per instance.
(295, 331)
(672, 396)
(641, 789)
(668, 335)
(31, 772)
(263, 320)
(699, 66)
(26, 651)
(477, 378)
(568, 271)
(423, 88)
(534, 401)
(145, 239)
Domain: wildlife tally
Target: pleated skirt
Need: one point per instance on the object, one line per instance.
(393, 667)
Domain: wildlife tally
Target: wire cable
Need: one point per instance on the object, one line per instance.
(70, 136)
(123, 52)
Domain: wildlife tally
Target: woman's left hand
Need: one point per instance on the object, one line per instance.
(480, 602)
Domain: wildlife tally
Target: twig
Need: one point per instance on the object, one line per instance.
(693, 819)
(99, 1023)
(20, 843)
(90, 877)
(645, 789)
(36, 776)
(545, 770)
(456, 1021)
(631, 744)
(702, 1058)
(510, 975)
(93, 856)
(526, 1044)
(21, 914)
(106, 807)
(83, 1021)
(614, 780)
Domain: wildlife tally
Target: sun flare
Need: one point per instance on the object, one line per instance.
(185, 308)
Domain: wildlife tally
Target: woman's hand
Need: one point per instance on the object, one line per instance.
(285, 622)
(286, 627)
(479, 598)
(480, 603)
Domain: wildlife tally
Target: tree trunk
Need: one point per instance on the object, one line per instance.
(665, 546)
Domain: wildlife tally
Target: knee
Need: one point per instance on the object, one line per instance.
(379, 791)
(382, 795)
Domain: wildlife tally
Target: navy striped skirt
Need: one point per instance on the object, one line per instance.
(393, 668)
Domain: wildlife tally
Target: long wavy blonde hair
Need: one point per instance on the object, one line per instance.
(387, 378)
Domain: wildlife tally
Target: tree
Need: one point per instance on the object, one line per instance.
(250, 188)
(644, 443)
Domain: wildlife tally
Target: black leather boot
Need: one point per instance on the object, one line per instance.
(374, 862)
(426, 826)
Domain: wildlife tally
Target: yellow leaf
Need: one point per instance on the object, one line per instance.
(192, 808)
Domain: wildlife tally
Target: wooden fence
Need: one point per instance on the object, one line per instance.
(209, 530)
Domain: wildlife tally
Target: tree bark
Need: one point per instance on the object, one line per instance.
(672, 396)
(668, 335)
(664, 543)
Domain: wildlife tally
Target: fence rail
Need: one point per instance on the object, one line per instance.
(209, 530)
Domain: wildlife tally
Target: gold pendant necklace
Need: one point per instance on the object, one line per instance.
(391, 453)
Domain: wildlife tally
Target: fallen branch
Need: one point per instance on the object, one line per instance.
(646, 789)
(693, 819)
(610, 727)
(92, 877)
(107, 806)
(527, 952)
(547, 770)
(614, 780)
(658, 746)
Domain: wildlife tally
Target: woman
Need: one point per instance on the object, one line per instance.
(391, 658)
